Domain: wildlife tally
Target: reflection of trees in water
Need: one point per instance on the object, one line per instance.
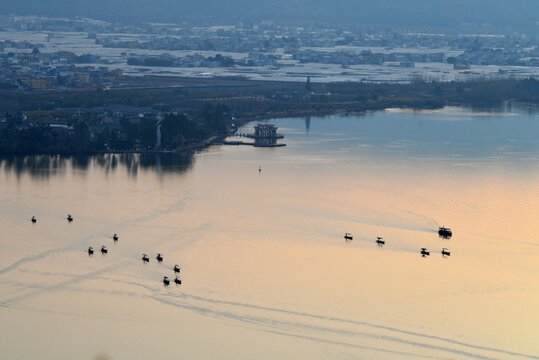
(108, 162)
(160, 163)
(38, 166)
(44, 166)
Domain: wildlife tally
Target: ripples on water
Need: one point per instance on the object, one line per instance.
(266, 272)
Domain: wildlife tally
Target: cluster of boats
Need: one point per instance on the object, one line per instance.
(69, 219)
(104, 249)
(145, 258)
(166, 280)
(443, 232)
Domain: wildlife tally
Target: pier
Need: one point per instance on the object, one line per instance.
(265, 135)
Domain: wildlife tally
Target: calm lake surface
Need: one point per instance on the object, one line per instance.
(266, 272)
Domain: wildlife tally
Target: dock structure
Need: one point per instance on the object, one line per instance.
(265, 135)
(269, 131)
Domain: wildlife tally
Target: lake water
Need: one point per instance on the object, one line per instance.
(266, 271)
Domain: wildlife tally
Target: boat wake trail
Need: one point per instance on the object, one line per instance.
(373, 326)
(36, 290)
(302, 328)
(104, 232)
(324, 329)
(317, 327)
(432, 224)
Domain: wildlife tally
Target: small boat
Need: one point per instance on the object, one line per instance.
(446, 252)
(348, 236)
(444, 232)
(104, 249)
(34, 220)
(177, 281)
(90, 250)
(115, 237)
(159, 257)
(176, 268)
(69, 218)
(166, 281)
(145, 258)
(379, 240)
(425, 252)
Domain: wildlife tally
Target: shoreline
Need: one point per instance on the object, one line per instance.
(211, 140)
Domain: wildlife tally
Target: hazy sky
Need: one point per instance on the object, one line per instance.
(393, 12)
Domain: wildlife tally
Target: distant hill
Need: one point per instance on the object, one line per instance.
(446, 13)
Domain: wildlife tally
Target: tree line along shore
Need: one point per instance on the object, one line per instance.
(125, 120)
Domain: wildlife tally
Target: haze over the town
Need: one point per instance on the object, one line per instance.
(438, 13)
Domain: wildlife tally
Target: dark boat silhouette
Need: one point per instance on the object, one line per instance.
(444, 232)
(425, 252)
(69, 218)
(348, 236)
(115, 237)
(176, 268)
(166, 281)
(379, 241)
(177, 281)
(34, 220)
(104, 249)
(446, 252)
(159, 257)
(145, 258)
(90, 250)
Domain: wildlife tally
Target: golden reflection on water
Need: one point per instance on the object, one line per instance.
(266, 272)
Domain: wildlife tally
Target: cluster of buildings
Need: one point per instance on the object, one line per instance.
(321, 44)
(198, 60)
(99, 121)
(194, 60)
(266, 44)
(356, 56)
(96, 118)
(498, 56)
(36, 70)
